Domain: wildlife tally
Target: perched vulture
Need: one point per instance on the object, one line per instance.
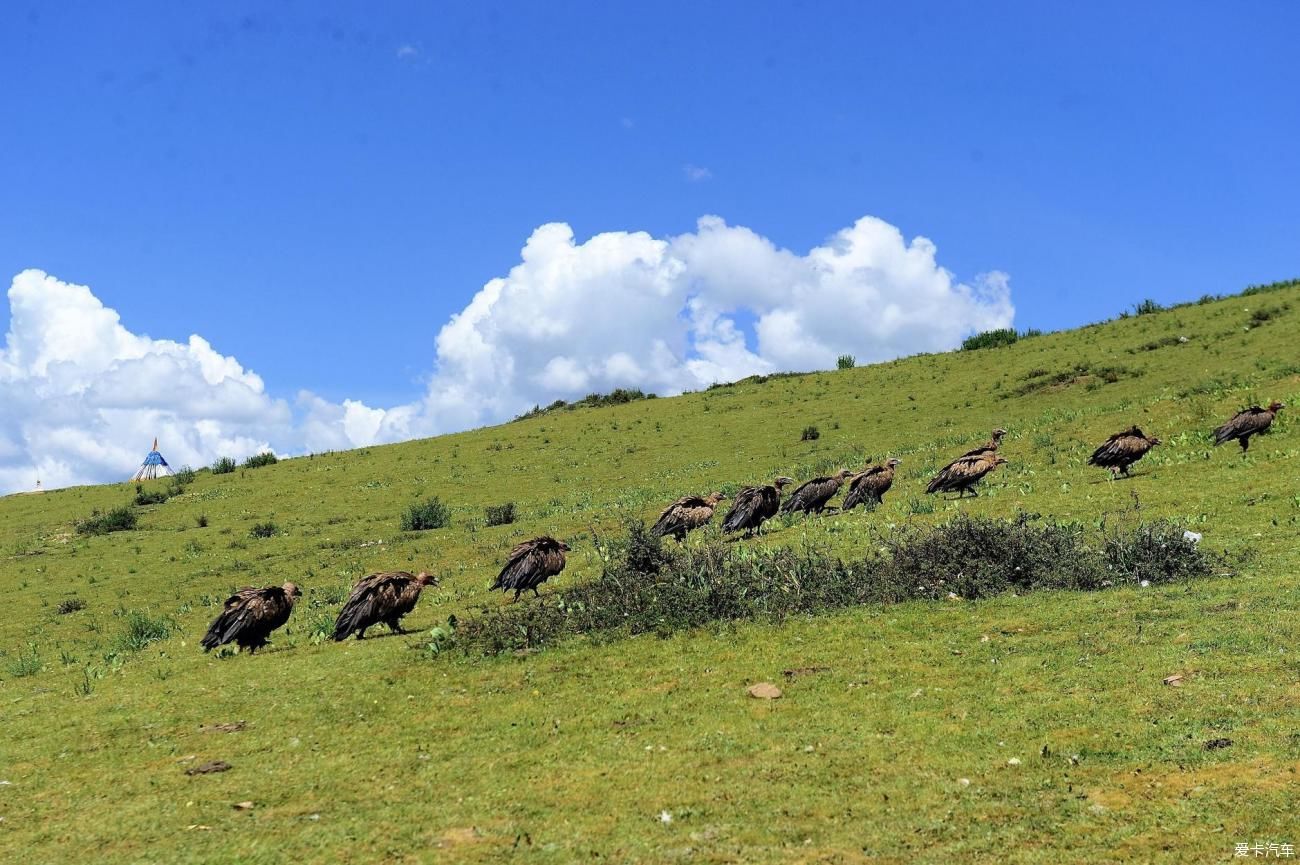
(753, 506)
(811, 496)
(531, 563)
(962, 474)
(250, 615)
(686, 514)
(1245, 424)
(989, 447)
(385, 597)
(1122, 450)
(869, 487)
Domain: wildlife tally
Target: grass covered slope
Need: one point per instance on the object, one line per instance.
(1014, 728)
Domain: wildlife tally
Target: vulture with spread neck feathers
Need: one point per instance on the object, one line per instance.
(962, 474)
(868, 487)
(686, 514)
(754, 506)
(531, 563)
(384, 597)
(1122, 450)
(811, 496)
(989, 447)
(1245, 424)
(250, 615)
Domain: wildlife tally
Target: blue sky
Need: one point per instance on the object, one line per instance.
(316, 188)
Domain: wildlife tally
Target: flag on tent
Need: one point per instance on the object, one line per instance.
(154, 466)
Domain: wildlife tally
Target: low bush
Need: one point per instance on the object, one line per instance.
(256, 461)
(149, 497)
(183, 478)
(1147, 307)
(429, 514)
(846, 361)
(142, 629)
(646, 588)
(499, 515)
(121, 519)
(263, 530)
(70, 605)
(224, 466)
(810, 434)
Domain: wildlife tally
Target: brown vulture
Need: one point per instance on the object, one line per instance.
(384, 597)
(989, 447)
(753, 506)
(1245, 424)
(869, 486)
(962, 474)
(811, 496)
(250, 615)
(686, 514)
(531, 563)
(1122, 450)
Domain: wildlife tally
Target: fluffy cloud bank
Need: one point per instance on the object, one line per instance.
(81, 393)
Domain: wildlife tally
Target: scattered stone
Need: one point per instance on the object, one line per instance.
(803, 671)
(233, 727)
(210, 767)
(1216, 744)
(1014, 761)
(764, 691)
(1174, 681)
(243, 806)
(965, 782)
(1194, 537)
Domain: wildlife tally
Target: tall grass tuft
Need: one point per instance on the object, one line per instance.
(429, 514)
(224, 466)
(499, 515)
(121, 519)
(265, 458)
(142, 629)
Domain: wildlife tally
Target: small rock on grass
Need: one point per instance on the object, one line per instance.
(1216, 744)
(209, 768)
(764, 691)
(243, 806)
(1174, 681)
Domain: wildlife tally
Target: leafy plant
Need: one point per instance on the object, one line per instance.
(266, 458)
(224, 466)
(429, 514)
(70, 605)
(121, 519)
(267, 529)
(809, 434)
(846, 361)
(499, 515)
(142, 629)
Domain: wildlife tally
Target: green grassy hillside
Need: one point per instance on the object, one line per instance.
(1031, 728)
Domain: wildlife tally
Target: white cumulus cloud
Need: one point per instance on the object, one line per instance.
(82, 394)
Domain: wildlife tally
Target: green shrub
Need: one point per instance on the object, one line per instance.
(121, 519)
(646, 588)
(142, 629)
(151, 497)
(1147, 307)
(263, 530)
(256, 461)
(70, 605)
(499, 515)
(224, 466)
(990, 339)
(810, 434)
(430, 514)
(28, 663)
(183, 478)
(846, 361)
(201, 521)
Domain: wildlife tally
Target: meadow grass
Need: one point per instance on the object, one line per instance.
(1022, 727)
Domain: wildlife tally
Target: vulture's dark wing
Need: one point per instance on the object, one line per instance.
(372, 600)
(866, 486)
(1249, 422)
(811, 495)
(676, 516)
(245, 612)
(960, 473)
(1120, 449)
(531, 563)
(743, 509)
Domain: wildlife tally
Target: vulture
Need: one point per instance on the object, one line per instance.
(811, 496)
(384, 597)
(531, 563)
(753, 506)
(989, 447)
(250, 615)
(686, 514)
(869, 486)
(1122, 450)
(962, 474)
(1245, 424)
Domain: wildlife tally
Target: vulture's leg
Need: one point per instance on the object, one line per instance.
(536, 594)
(517, 591)
(361, 634)
(1245, 443)
(974, 494)
(396, 626)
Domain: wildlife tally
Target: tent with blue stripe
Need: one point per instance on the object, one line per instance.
(154, 466)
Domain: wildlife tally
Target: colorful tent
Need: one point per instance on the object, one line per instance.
(154, 466)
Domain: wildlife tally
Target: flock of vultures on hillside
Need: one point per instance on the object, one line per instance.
(250, 615)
